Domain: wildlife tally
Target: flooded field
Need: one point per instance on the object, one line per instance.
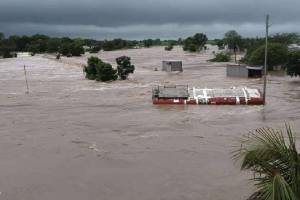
(75, 139)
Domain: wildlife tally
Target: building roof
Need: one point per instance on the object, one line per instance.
(178, 91)
(255, 67)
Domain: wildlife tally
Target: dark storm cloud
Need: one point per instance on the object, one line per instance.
(125, 18)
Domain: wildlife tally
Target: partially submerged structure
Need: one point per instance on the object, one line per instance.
(182, 94)
(172, 65)
(23, 54)
(244, 71)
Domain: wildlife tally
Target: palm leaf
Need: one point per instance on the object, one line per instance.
(272, 156)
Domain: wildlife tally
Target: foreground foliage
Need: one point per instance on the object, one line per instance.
(275, 162)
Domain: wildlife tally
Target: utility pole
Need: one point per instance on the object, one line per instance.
(27, 92)
(266, 60)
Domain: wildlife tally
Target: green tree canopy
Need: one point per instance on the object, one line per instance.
(233, 40)
(277, 55)
(1, 36)
(293, 63)
(124, 67)
(195, 43)
(99, 70)
(285, 38)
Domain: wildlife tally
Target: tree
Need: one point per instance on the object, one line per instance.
(6, 47)
(169, 47)
(105, 72)
(2, 36)
(277, 55)
(71, 49)
(90, 69)
(148, 43)
(124, 67)
(99, 70)
(200, 40)
(65, 49)
(275, 162)
(220, 43)
(233, 41)
(53, 45)
(293, 63)
(76, 49)
(285, 38)
(195, 43)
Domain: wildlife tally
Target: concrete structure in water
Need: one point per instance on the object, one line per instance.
(244, 71)
(181, 94)
(172, 65)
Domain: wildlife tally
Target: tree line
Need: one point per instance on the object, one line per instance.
(69, 46)
(278, 51)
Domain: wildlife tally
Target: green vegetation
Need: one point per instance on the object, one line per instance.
(293, 63)
(42, 44)
(124, 67)
(195, 43)
(1, 36)
(69, 46)
(234, 42)
(221, 57)
(275, 162)
(277, 55)
(99, 70)
(116, 44)
(169, 47)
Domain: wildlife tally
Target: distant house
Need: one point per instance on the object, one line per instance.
(172, 65)
(245, 71)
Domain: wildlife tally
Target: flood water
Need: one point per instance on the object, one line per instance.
(75, 139)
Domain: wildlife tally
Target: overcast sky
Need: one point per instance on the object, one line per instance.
(138, 19)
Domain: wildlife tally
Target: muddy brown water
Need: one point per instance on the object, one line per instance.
(75, 139)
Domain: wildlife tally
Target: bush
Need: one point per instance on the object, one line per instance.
(99, 70)
(169, 47)
(8, 54)
(277, 55)
(221, 57)
(293, 63)
(124, 67)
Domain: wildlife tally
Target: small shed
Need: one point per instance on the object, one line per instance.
(172, 65)
(236, 70)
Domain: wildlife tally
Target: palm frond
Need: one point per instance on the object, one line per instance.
(272, 156)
